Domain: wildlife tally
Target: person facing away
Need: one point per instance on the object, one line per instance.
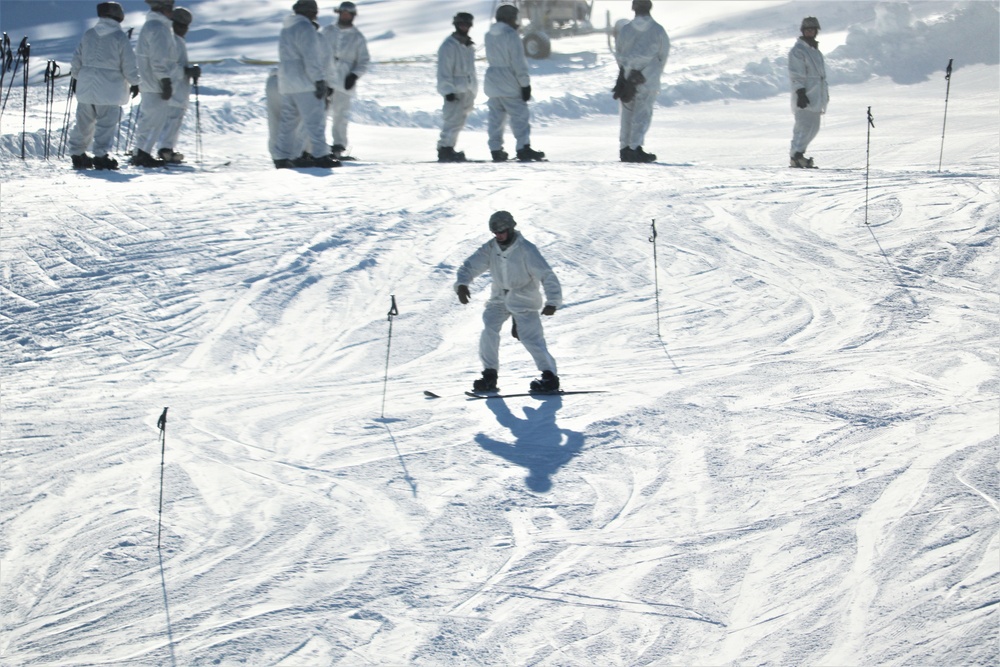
(456, 82)
(641, 51)
(810, 95)
(156, 53)
(519, 275)
(348, 61)
(508, 87)
(104, 74)
(181, 76)
(302, 83)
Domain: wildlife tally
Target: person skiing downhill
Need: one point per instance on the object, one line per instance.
(810, 94)
(641, 51)
(348, 60)
(519, 276)
(104, 74)
(183, 73)
(508, 87)
(156, 53)
(456, 82)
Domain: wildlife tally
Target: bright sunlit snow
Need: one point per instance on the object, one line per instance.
(795, 462)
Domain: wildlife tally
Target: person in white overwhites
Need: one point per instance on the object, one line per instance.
(181, 77)
(810, 95)
(456, 81)
(641, 51)
(156, 54)
(348, 53)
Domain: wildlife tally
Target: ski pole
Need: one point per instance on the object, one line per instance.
(51, 72)
(9, 58)
(197, 127)
(6, 58)
(947, 92)
(65, 127)
(871, 124)
(161, 424)
(656, 277)
(24, 107)
(131, 125)
(393, 311)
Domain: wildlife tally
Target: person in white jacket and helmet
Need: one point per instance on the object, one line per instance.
(456, 82)
(302, 61)
(508, 87)
(520, 274)
(181, 77)
(810, 95)
(348, 61)
(641, 51)
(104, 74)
(156, 53)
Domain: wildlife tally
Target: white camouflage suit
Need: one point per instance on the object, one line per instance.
(178, 102)
(301, 63)
(806, 69)
(506, 74)
(104, 67)
(642, 45)
(156, 53)
(456, 73)
(348, 54)
(519, 274)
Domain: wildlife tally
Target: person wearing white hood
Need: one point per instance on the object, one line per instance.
(302, 60)
(348, 53)
(184, 72)
(641, 51)
(156, 53)
(104, 74)
(508, 87)
(456, 82)
(810, 95)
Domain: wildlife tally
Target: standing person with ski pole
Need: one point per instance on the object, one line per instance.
(520, 274)
(810, 95)
(456, 82)
(156, 53)
(104, 74)
(348, 52)
(641, 51)
(180, 78)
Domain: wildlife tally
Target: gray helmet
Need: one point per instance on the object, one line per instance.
(347, 6)
(502, 221)
(111, 10)
(305, 7)
(462, 18)
(182, 15)
(810, 22)
(506, 13)
(160, 4)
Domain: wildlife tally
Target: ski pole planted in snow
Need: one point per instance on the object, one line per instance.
(65, 126)
(197, 124)
(10, 63)
(947, 92)
(868, 150)
(24, 101)
(51, 72)
(393, 311)
(161, 424)
(656, 277)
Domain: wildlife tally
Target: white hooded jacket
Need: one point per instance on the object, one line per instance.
(519, 275)
(155, 52)
(348, 54)
(508, 66)
(806, 69)
(301, 56)
(643, 45)
(104, 65)
(178, 78)
(456, 68)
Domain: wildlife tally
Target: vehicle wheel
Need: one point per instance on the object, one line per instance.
(537, 45)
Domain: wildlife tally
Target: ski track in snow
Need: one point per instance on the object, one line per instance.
(801, 468)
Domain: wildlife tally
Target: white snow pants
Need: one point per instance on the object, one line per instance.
(805, 130)
(502, 108)
(453, 117)
(340, 112)
(307, 109)
(97, 123)
(175, 119)
(153, 116)
(529, 331)
(636, 117)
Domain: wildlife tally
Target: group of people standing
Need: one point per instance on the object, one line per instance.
(106, 71)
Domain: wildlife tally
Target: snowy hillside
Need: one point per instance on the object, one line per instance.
(795, 462)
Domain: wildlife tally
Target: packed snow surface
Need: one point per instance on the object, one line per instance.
(796, 458)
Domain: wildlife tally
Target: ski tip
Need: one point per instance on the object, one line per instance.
(430, 394)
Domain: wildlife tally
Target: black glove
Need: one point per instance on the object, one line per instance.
(166, 88)
(320, 90)
(549, 310)
(451, 97)
(72, 85)
(525, 93)
(463, 294)
(803, 100)
(636, 78)
(134, 91)
(351, 79)
(193, 71)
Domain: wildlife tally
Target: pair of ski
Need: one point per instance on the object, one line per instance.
(475, 396)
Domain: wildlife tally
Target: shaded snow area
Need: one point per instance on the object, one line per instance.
(796, 458)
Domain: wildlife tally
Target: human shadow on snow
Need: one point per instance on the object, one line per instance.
(539, 444)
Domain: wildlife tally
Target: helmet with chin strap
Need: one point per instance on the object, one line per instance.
(462, 18)
(810, 22)
(501, 221)
(111, 10)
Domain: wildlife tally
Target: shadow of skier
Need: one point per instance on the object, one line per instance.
(539, 445)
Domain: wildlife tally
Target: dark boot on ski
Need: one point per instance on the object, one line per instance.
(338, 150)
(284, 163)
(499, 156)
(643, 156)
(169, 155)
(449, 154)
(800, 161)
(326, 162)
(626, 154)
(486, 383)
(144, 159)
(105, 162)
(82, 161)
(529, 154)
(548, 384)
(303, 161)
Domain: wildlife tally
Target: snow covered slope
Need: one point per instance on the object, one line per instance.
(796, 462)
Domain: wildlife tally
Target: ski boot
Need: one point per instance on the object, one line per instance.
(144, 159)
(105, 162)
(626, 154)
(169, 155)
(528, 154)
(326, 162)
(642, 156)
(82, 161)
(486, 383)
(284, 163)
(449, 154)
(800, 161)
(548, 384)
(499, 156)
